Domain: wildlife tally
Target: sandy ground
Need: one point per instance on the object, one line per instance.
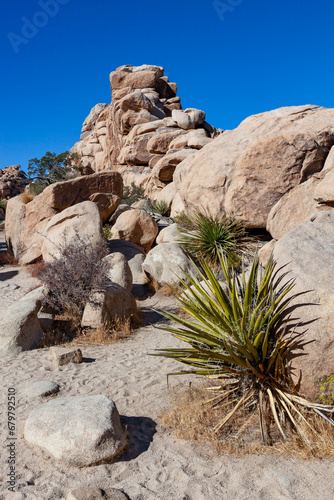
(156, 465)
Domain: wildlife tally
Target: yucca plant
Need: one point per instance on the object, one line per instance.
(203, 235)
(161, 208)
(241, 337)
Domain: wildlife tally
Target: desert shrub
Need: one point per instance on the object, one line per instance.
(3, 204)
(8, 259)
(326, 386)
(27, 197)
(132, 194)
(203, 235)
(161, 207)
(37, 187)
(107, 232)
(242, 338)
(72, 276)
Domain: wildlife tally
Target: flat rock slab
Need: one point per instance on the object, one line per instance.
(96, 494)
(42, 388)
(78, 430)
(63, 356)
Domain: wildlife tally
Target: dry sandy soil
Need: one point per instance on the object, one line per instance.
(156, 465)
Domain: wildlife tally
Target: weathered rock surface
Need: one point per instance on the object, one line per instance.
(42, 389)
(63, 229)
(168, 234)
(12, 181)
(135, 256)
(77, 430)
(249, 169)
(107, 305)
(19, 327)
(142, 122)
(293, 208)
(165, 262)
(26, 224)
(119, 271)
(65, 355)
(308, 253)
(136, 226)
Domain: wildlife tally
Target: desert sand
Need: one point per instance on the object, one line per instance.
(156, 465)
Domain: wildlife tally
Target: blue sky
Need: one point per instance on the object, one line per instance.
(232, 58)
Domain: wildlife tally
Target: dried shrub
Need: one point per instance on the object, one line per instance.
(132, 194)
(27, 197)
(72, 276)
(37, 269)
(8, 259)
(190, 417)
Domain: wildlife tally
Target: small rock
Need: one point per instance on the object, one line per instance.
(96, 494)
(42, 388)
(63, 355)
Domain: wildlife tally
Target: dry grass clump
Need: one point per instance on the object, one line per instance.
(27, 197)
(192, 418)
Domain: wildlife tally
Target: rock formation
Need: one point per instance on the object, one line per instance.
(12, 181)
(143, 133)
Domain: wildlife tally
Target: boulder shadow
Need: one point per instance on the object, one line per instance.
(8, 275)
(88, 360)
(140, 432)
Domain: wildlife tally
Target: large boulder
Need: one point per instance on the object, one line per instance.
(107, 305)
(166, 262)
(307, 252)
(64, 228)
(26, 223)
(77, 430)
(248, 170)
(136, 226)
(19, 327)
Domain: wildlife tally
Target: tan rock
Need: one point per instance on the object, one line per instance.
(107, 305)
(307, 252)
(178, 206)
(324, 190)
(161, 140)
(164, 168)
(248, 170)
(82, 219)
(119, 271)
(169, 234)
(293, 208)
(265, 252)
(136, 226)
(65, 355)
(167, 194)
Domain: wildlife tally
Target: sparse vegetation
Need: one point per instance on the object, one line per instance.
(3, 204)
(52, 168)
(161, 207)
(132, 194)
(243, 340)
(204, 235)
(27, 197)
(326, 386)
(107, 232)
(72, 276)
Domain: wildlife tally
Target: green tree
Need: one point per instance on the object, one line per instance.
(52, 168)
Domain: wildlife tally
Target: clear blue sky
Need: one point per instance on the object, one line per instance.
(251, 56)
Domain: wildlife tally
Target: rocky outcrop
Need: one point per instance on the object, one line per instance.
(26, 223)
(136, 226)
(143, 124)
(12, 181)
(249, 169)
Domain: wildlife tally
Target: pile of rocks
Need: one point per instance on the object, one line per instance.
(143, 133)
(12, 181)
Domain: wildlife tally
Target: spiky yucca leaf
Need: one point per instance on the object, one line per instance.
(240, 332)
